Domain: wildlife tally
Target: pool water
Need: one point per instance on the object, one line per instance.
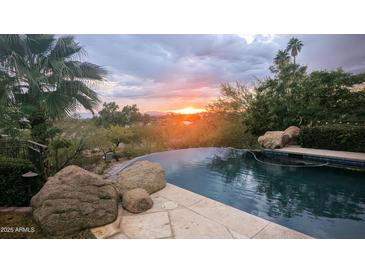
(323, 202)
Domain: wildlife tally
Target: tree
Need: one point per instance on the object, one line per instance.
(226, 117)
(100, 139)
(281, 60)
(294, 47)
(45, 77)
(294, 97)
(110, 115)
(6, 84)
(118, 135)
(131, 114)
(234, 99)
(329, 97)
(10, 121)
(64, 152)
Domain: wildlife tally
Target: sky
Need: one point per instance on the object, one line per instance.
(171, 72)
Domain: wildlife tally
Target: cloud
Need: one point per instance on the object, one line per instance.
(160, 72)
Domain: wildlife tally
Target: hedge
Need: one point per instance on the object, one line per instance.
(335, 137)
(14, 189)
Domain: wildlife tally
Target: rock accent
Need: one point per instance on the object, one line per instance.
(274, 139)
(143, 174)
(293, 133)
(279, 139)
(137, 200)
(72, 200)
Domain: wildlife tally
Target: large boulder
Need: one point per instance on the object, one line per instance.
(137, 200)
(143, 174)
(72, 200)
(274, 139)
(293, 133)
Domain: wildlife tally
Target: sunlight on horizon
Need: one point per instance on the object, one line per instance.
(188, 110)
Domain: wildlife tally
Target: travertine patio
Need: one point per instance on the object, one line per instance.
(181, 214)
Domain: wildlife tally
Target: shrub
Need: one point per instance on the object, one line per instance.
(14, 189)
(336, 137)
(117, 155)
(138, 149)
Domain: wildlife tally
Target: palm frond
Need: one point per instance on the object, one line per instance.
(12, 43)
(65, 47)
(40, 43)
(6, 89)
(47, 73)
(58, 104)
(78, 88)
(85, 101)
(86, 70)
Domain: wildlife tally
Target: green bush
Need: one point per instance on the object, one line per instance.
(14, 189)
(336, 137)
(139, 149)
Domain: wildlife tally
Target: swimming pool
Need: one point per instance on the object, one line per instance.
(321, 201)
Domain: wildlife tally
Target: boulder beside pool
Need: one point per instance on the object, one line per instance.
(143, 174)
(279, 139)
(73, 200)
(274, 139)
(137, 200)
(293, 133)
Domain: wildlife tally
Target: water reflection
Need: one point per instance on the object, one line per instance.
(323, 202)
(320, 191)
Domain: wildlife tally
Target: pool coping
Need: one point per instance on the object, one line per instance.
(344, 158)
(181, 214)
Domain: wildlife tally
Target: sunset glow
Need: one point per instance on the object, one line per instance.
(188, 110)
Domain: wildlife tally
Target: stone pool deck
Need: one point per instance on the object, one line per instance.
(344, 155)
(181, 214)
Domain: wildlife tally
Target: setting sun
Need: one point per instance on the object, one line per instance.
(189, 110)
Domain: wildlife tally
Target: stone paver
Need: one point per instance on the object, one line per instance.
(180, 214)
(119, 235)
(325, 153)
(147, 226)
(243, 223)
(275, 231)
(237, 235)
(179, 195)
(169, 205)
(108, 230)
(159, 204)
(186, 224)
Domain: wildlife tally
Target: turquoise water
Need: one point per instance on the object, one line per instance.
(324, 202)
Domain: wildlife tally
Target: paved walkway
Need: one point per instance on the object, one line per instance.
(357, 156)
(181, 214)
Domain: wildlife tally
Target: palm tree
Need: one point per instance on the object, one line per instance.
(294, 46)
(45, 77)
(281, 59)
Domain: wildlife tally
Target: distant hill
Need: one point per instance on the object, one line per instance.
(156, 113)
(83, 115)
